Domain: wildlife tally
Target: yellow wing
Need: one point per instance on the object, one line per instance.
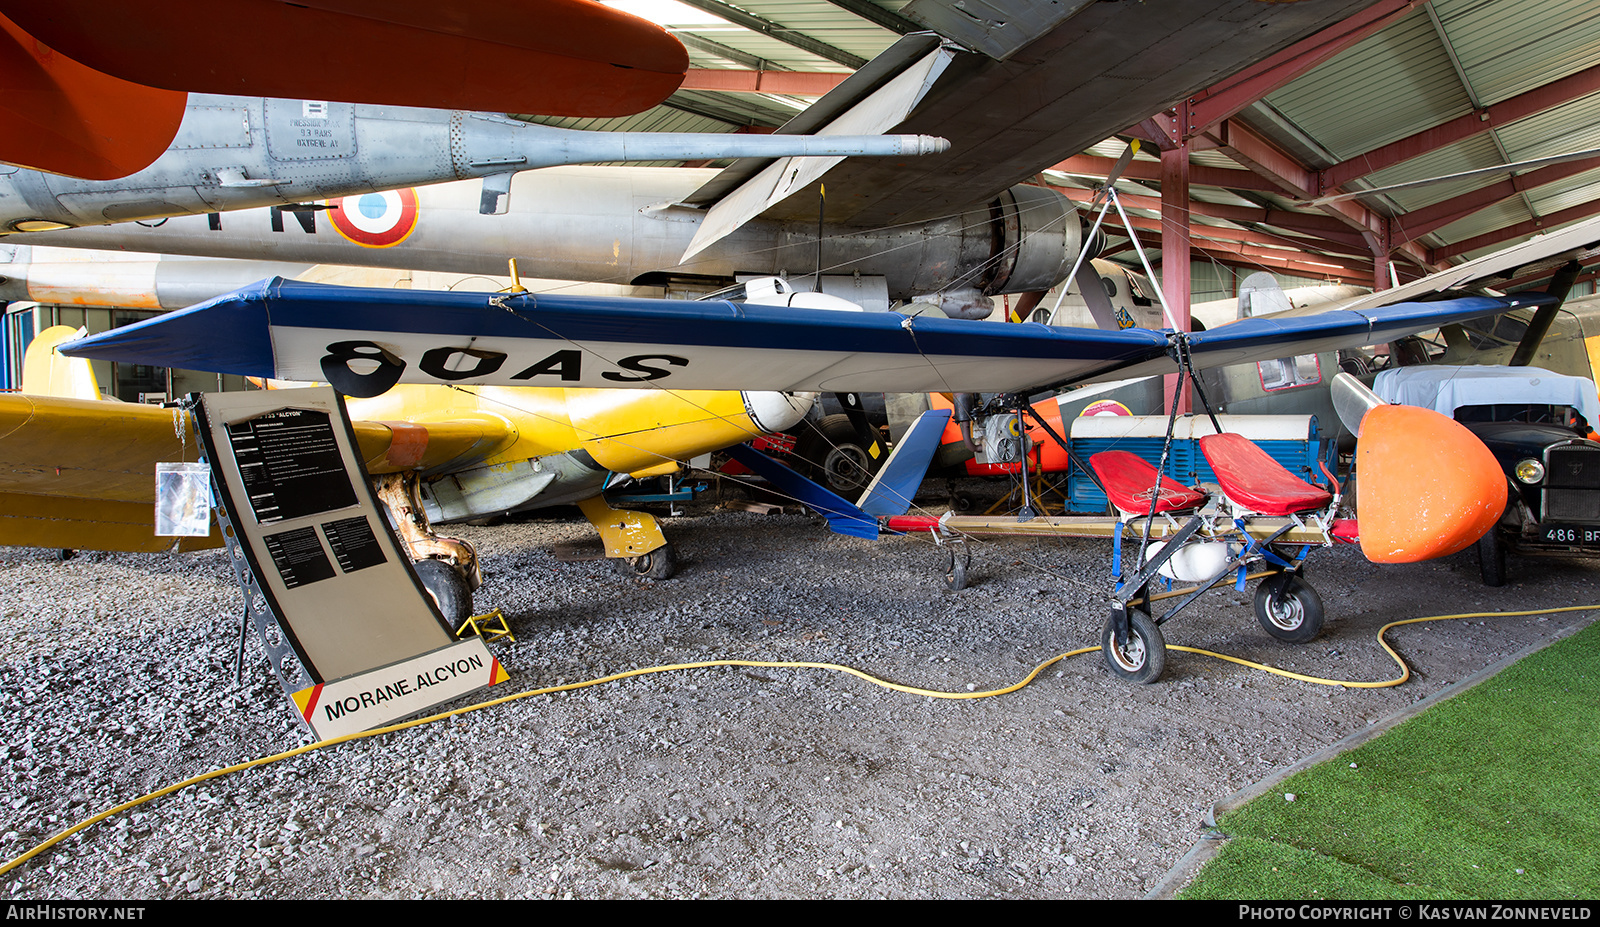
(80, 473)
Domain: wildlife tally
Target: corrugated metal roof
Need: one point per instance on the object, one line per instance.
(1507, 48)
(1575, 191)
(1508, 212)
(1379, 91)
(1418, 72)
(1571, 127)
(1477, 152)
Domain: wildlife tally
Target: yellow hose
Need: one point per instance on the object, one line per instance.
(1405, 674)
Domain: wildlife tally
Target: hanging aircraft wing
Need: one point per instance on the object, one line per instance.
(365, 340)
(80, 473)
(97, 89)
(1041, 86)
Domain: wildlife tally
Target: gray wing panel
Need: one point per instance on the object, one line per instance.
(1091, 76)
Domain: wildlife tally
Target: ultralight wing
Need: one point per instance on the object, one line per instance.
(365, 340)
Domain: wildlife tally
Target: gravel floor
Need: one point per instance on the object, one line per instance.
(713, 783)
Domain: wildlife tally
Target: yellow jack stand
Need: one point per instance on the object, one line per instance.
(490, 626)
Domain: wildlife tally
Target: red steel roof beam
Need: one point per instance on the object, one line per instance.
(1258, 258)
(1218, 102)
(1530, 227)
(1323, 227)
(1226, 178)
(1253, 151)
(1500, 114)
(1543, 275)
(1247, 236)
(1415, 224)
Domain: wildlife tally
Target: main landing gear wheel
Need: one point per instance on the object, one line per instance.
(1143, 657)
(449, 591)
(1492, 558)
(838, 461)
(1294, 615)
(955, 571)
(660, 563)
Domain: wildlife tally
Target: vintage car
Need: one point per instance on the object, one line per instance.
(1539, 425)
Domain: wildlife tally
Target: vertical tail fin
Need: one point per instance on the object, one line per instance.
(47, 373)
(892, 490)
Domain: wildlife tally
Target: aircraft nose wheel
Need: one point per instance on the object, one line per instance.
(1288, 608)
(955, 571)
(1142, 657)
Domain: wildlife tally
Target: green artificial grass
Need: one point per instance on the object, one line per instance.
(1492, 794)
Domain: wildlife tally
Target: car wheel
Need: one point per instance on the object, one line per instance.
(1492, 558)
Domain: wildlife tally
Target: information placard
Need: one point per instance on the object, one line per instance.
(326, 582)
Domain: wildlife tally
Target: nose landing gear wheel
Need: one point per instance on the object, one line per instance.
(1294, 615)
(1143, 657)
(955, 572)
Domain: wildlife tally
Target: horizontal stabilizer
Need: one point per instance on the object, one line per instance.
(365, 340)
(843, 516)
(885, 108)
(895, 485)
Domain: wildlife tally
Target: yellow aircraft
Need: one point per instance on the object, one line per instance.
(78, 471)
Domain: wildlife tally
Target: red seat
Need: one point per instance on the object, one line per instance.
(1252, 479)
(1129, 480)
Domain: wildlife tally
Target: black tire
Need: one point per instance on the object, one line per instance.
(660, 563)
(835, 456)
(955, 571)
(1492, 557)
(1296, 618)
(1143, 658)
(448, 589)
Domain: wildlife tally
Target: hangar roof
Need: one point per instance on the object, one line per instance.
(1406, 90)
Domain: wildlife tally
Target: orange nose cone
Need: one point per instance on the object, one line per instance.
(1426, 487)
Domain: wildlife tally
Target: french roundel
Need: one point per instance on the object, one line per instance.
(376, 220)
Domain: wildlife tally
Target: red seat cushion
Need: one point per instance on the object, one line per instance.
(1129, 479)
(1251, 478)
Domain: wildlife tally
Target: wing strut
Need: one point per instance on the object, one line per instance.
(1109, 191)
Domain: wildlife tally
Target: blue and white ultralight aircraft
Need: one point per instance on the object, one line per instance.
(363, 341)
